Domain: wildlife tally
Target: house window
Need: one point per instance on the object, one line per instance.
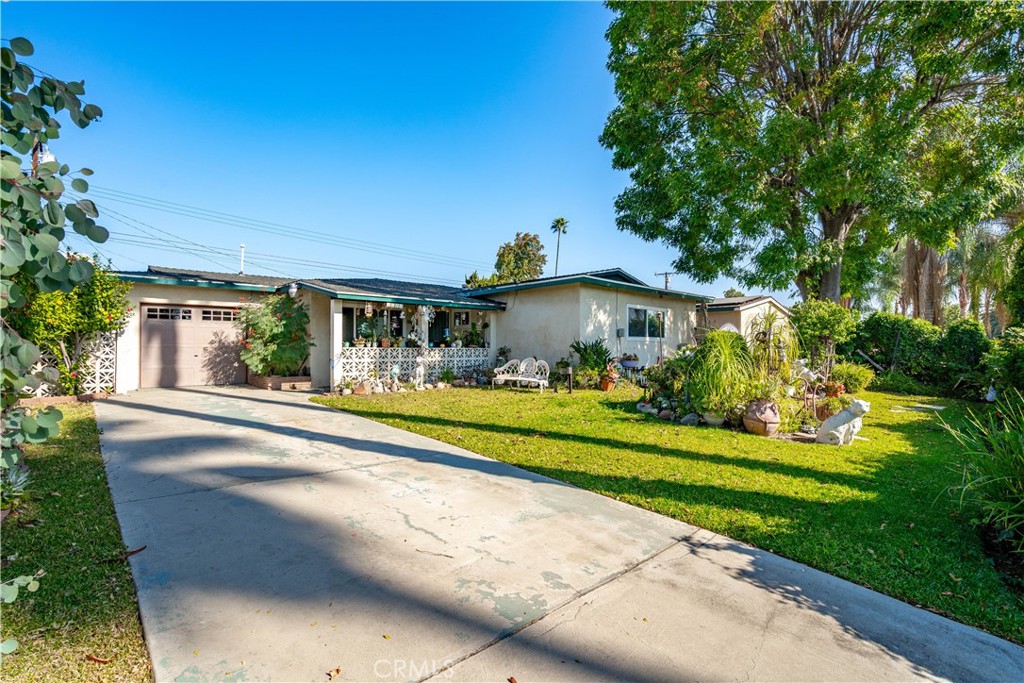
(153, 313)
(645, 323)
(218, 315)
(461, 318)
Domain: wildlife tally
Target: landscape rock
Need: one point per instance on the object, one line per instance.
(346, 392)
(665, 414)
(691, 420)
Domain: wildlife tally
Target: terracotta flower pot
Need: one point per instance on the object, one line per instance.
(607, 384)
(762, 417)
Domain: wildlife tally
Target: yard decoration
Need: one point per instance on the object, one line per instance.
(840, 429)
(275, 340)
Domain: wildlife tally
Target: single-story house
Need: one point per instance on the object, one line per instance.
(182, 329)
(734, 313)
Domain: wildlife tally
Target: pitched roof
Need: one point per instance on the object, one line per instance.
(735, 303)
(615, 278)
(398, 291)
(362, 289)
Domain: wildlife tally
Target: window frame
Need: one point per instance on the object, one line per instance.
(647, 321)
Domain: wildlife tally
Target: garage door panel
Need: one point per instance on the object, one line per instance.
(189, 346)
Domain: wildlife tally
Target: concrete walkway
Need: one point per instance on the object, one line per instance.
(284, 540)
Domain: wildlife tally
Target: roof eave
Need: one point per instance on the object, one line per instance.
(409, 300)
(586, 279)
(168, 280)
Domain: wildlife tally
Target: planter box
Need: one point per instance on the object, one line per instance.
(282, 383)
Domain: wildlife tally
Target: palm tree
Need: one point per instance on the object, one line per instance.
(559, 226)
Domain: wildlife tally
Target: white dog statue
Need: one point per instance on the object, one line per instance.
(420, 374)
(840, 429)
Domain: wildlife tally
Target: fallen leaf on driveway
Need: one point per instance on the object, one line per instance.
(334, 673)
(93, 658)
(512, 679)
(387, 637)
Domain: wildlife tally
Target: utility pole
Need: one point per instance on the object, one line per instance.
(667, 277)
(241, 264)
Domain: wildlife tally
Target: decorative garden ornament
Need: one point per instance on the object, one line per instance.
(840, 429)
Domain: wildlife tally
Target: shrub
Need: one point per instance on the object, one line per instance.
(447, 375)
(668, 379)
(586, 378)
(961, 352)
(719, 374)
(821, 326)
(896, 382)
(852, 376)
(1005, 363)
(993, 466)
(594, 355)
(793, 415)
(275, 340)
(908, 345)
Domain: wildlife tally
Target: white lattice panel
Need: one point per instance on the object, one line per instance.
(100, 367)
(356, 363)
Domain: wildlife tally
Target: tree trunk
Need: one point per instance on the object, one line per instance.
(836, 228)
(988, 312)
(962, 293)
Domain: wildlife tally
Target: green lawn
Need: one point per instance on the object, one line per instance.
(876, 512)
(85, 605)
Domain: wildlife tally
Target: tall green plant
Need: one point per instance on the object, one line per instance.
(993, 466)
(773, 345)
(66, 324)
(720, 373)
(594, 355)
(275, 336)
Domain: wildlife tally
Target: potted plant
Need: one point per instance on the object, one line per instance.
(630, 360)
(360, 341)
(719, 375)
(385, 342)
(609, 377)
(503, 354)
(763, 414)
(276, 342)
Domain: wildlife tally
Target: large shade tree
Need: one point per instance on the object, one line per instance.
(782, 143)
(517, 261)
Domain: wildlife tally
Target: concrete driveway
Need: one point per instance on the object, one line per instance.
(284, 539)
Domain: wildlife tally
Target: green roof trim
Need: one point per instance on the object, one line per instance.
(589, 280)
(185, 282)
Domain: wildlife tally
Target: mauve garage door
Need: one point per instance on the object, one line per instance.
(186, 346)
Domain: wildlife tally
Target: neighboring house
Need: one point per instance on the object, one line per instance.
(182, 332)
(543, 317)
(734, 313)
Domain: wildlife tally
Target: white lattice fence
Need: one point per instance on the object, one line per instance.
(356, 363)
(100, 370)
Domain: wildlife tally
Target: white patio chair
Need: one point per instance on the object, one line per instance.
(527, 371)
(542, 373)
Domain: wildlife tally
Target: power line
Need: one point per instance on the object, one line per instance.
(189, 248)
(281, 229)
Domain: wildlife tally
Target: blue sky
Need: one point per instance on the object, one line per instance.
(435, 130)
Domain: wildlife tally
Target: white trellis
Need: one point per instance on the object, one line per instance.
(355, 363)
(100, 369)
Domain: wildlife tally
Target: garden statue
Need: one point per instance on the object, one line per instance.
(840, 429)
(420, 374)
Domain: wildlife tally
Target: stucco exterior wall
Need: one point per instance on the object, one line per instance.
(719, 319)
(319, 306)
(128, 344)
(604, 310)
(538, 322)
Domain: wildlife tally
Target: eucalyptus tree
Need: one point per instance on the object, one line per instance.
(34, 215)
(790, 142)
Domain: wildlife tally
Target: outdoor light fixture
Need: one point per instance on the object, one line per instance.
(293, 290)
